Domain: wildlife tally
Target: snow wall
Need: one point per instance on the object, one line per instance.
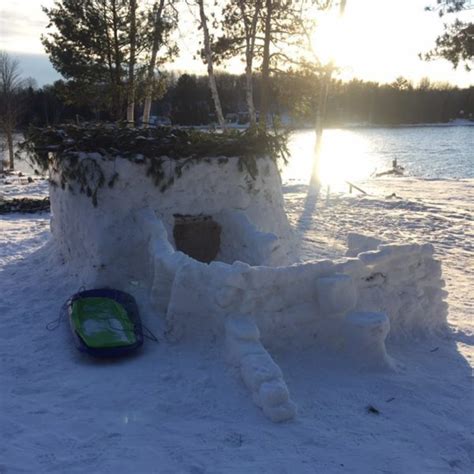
(254, 292)
(106, 244)
(128, 238)
(309, 301)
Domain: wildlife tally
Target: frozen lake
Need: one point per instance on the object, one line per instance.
(429, 152)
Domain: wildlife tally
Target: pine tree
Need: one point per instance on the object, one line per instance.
(93, 43)
(456, 44)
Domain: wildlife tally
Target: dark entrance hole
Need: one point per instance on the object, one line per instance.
(197, 236)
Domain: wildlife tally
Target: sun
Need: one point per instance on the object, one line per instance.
(348, 42)
(345, 156)
(328, 40)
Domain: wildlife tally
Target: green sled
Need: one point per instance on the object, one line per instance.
(102, 323)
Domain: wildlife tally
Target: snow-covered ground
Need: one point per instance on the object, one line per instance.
(181, 409)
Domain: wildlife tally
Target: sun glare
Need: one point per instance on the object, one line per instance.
(328, 40)
(345, 156)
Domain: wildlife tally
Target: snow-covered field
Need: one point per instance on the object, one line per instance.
(181, 409)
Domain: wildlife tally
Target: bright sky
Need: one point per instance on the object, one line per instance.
(377, 40)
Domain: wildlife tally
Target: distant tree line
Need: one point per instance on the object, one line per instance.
(186, 100)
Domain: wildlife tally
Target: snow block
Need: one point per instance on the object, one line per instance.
(284, 412)
(273, 393)
(258, 368)
(336, 294)
(365, 334)
(358, 243)
(241, 339)
(241, 239)
(242, 327)
(237, 349)
(376, 257)
(350, 266)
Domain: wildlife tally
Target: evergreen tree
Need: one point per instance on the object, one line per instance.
(456, 44)
(103, 42)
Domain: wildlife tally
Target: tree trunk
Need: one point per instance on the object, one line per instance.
(110, 65)
(250, 34)
(118, 66)
(249, 95)
(11, 154)
(264, 95)
(151, 65)
(131, 64)
(319, 129)
(210, 66)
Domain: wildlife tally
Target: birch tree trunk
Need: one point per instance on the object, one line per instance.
(131, 64)
(249, 95)
(264, 97)
(210, 66)
(11, 153)
(250, 28)
(151, 66)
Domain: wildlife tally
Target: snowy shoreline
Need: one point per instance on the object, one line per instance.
(168, 410)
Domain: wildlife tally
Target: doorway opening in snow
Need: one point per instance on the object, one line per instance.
(197, 236)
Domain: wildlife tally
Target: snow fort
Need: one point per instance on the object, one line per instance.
(193, 224)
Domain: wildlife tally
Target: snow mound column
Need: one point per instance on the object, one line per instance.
(365, 335)
(360, 334)
(260, 373)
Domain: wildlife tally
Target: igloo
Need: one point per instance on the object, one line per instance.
(213, 252)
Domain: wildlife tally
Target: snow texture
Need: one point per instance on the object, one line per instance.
(177, 408)
(109, 240)
(348, 305)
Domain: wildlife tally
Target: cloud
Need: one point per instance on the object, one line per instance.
(21, 25)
